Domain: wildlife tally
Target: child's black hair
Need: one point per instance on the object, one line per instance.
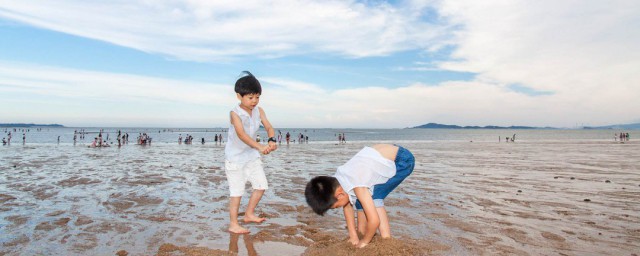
(248, 84)
(320, 193)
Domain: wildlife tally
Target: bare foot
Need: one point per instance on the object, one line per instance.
(237, 229)
(253, 218)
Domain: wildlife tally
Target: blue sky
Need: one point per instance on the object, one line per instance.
(322, 64)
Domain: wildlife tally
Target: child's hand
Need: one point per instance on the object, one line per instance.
(361, 244)
(272, 146)
(264, 149)
(354, 241)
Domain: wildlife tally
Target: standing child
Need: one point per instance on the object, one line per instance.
(242, 152)
(364, 181)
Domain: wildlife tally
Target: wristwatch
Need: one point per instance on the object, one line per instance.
(271, 139)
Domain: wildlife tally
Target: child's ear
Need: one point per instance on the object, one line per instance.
(339, 192)
(239, 97)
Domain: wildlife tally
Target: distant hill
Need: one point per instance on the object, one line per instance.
(447, 126)
(23, 125)
(635, 126)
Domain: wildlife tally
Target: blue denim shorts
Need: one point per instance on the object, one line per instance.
(404, 166)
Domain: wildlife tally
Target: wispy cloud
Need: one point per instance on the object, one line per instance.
(77, 97)
(101, 86)
(206, 30)
(572, 47)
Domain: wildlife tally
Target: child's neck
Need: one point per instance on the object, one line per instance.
(248, 110)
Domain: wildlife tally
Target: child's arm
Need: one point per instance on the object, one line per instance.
(349, 217)
(373, 220)
(269, 128)
(237, 125)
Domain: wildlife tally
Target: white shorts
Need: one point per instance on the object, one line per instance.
(239, 174)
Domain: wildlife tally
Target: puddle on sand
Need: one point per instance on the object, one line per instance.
(238, 245)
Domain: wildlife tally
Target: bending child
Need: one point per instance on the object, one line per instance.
(242, 152)
(364, 181)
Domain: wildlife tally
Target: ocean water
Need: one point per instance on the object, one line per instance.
(171, 135)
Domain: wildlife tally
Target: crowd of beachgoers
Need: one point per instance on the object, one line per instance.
(623, 136)
(103, 139)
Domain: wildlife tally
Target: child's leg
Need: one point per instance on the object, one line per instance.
(362, 222)
(236, 180)
(249, 215)
(258, 180)
(384, 229)
(234, 206)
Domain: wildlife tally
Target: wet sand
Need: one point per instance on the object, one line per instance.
(480, 198)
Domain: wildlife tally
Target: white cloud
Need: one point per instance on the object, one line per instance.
(294, 86)
(586, 52)
(77, 97)
(206, 30)
(60, 82)
(80, 98)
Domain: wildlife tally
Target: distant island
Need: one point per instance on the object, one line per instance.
(23, 125)
(635, 126)
(447, 126)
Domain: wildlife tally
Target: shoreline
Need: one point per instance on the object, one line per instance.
(523, 198)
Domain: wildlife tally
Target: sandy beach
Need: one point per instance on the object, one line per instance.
(463, 198)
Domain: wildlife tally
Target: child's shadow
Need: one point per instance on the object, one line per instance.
(248, 242)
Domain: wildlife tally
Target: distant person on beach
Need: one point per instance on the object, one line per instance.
(364, 182)
(242, 152)
(288, 137)
(279, 137)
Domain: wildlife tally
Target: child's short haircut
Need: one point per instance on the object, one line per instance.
(319, 193)
(248, 84)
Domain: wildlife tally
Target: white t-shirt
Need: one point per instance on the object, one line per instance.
(366, 169)
(236, 151)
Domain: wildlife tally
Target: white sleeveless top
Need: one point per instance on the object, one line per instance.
(236, 151)
(366, 169)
